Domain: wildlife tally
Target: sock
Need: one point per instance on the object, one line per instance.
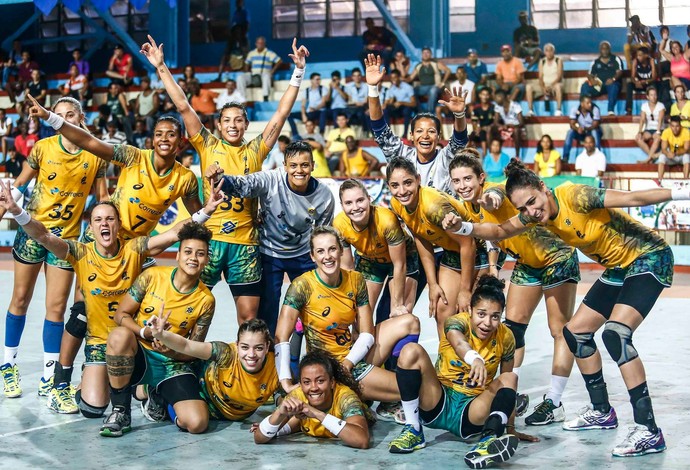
(409, 383)
(555, 393)
(14, 327)
(598, 395)
(516, 371)
(401, 344)
(122, 397)
(52, 337)
(642, 407)
(502, 406)
(49, 361)
(63, 375)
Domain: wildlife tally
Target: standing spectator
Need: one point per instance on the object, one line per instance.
(680, 62)
(665, 84)
(25, 141)
(6, 140)
(675, 148)
(651, 125)
(604, 77)
(639, 35)
(121, 66)
(510, 74)
(202, 102)
(119, 109)
(431, 75)
(401, 63)
(337, 102)
(335, 142)
(591, 162)
(260, 66)
(547, 160)
(585, 120)
(77, 86)
(476, 69)
(400, 101)
(508, 121)
(14, 162)
(526, 40)
(240, 23)
(14, 58)
(276, 157)
(355, 162)
(357, 107)
(550, 81)
(496, 160)
(82, 64)
(317, 143)
(230, 95)
(378, 40)
(314, 102)
(460, 83)
(37, 87)
(140, 134)
(147, 104)
(681, 107)
(642, 75)
(234, 56)
(483, 118)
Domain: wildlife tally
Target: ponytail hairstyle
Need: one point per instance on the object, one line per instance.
(77, 107)
(518, 176)
(333, 368)
(255, 325)
(467, 158)
(400, 163)
(489, 288)
(351, 183)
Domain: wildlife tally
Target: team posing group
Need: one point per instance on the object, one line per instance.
(448, 230)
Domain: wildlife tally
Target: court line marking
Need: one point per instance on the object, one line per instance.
(38, 428)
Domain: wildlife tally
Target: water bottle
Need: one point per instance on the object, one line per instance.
(547, 102)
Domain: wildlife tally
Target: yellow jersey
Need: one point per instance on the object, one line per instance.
(235, 392)
(155, 286)
(536, 248)
(235, 220)
(63, 184)
(547, 164)
(355, 165)
(321, 169)
(142, 195)
(676, 143)
(328, 311)
(346, 403)
(610, 237)
(452, 370)
(103, 281)
(383, 230)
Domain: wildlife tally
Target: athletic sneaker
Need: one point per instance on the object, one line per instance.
(490, 450)
(10, 376)
(521, 404)
(558, 113)
(61, 400)
(45, 386)
(118, 423)
(153, 408)
(408, 441)
(546, 413)
(588, 418)
(390, 412)
(640, 441)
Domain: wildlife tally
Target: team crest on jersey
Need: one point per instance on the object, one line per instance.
(350, 295)
(311, 211)
(263, 387)
(52, 176)
(228, 227)
(190, 310)
(138, 186)
(86, 165)
(134, 200)
(92, 277)
(171, 187)
(568, 222)
(493, 343)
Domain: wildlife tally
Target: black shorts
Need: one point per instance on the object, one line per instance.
(639, 292)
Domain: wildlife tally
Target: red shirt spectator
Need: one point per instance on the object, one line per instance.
(24, 142)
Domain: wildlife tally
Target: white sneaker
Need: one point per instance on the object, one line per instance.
(588, 418)
(530, 113)
(640, 441)
(611, 113)
(558, 113)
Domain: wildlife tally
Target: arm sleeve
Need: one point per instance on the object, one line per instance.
(390, 144)
(138, 289)
(252, 185)
(586, 198)
(361, 289)
(456, 323)
(125, 155)
(297, 295)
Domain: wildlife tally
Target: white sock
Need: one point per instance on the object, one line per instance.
(502, 415)
(411, 409)
(49, 360)
(516, 371)
(555, 393)
(10, 355)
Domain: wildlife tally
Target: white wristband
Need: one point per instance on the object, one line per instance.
(200, 217)
(680, 194)
(465, 228)
(23, 217)
(459, 115)
(361, 347)
(333, 424)
(282, 358)
(55, 121)
(373, 91)
(267, 429)
(284, 431)
(471, 356)
(16, 194)
(141, 333)
(297, 76)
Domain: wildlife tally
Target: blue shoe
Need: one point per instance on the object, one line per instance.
(408, 441)
(490, 450)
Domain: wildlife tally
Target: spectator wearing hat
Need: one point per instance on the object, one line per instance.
(639, 35)
(476, 69)
(510, 74)
(526, 41)
(604, 77)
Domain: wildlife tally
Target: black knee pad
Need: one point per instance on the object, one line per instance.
(582, 345)
(617, 338)
(76, 325)
(89, 411)
(518, 330)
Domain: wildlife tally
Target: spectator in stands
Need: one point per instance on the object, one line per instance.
(185, 88)
(526, 41)
(639, 35)
(496, 160)
(148, 143)
(378, 40)
(240, 23)
(508, 121)
(401, 63)
(82, 64)
(585, 120)
(186, 160)
(357, 91)
(314, 104)
(651, 125)
(25, 141)
(510, 74)
(337, 102)
(203, 102)
(119, 109)
(147, 104)
(591, 162)
(675, 148)
(101, 119)
(356, 162)
(14, 162)
(547, 160)
(6, 139)
(140, 134)
(642, 75)
(276, 157)
(665, 84)
(604, 77)
(432, 75)
(335, 142)
(77, 86)
(230, 95)
(121, 66)
(24, 72)
(483, 118)
(112, 135)
(476, 69)
(260, 66)
(37, 87)
(234, 56)
(189, 73)
(550, 82)
(14, 58)
(680, 62)
(400, 101)
(317, 143)
(461, 83)
(682, 106)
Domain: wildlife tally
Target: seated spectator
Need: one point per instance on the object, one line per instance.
(642, 75)
(317, 143)
(183, 84)
(639, 36)
(476, 69)
(186, 160)
(335, 142)
(337, 101)
(675, 148)
(401, 63)
(202, 102)
(77, 86)
(112, 135)
(496, 160)
(682, 106)
(550, 82)
(119, 108)
(604, 77)
(400, 101)
(314, 103)
(526, 41)
(189, 73)
(276, 157)
(230, 95)
(508, 121)
(140, 133)
(460, 83)
(510, 74)
(9, 66)
(432, 76)
(235, 53)
(148, 143)
(585, 120)
(26, 67)
(14, 162)
(147, 104)
(101, 119)
(680, 62)
(82, 64)
(378, 40)
(547, 160)
(591, 162)
(37, 87)
(651, 125)
(356, 162)
(6, 127)
(25, 141)
(260, 66)
(121, 66)
(357, 91)
(483, 118)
